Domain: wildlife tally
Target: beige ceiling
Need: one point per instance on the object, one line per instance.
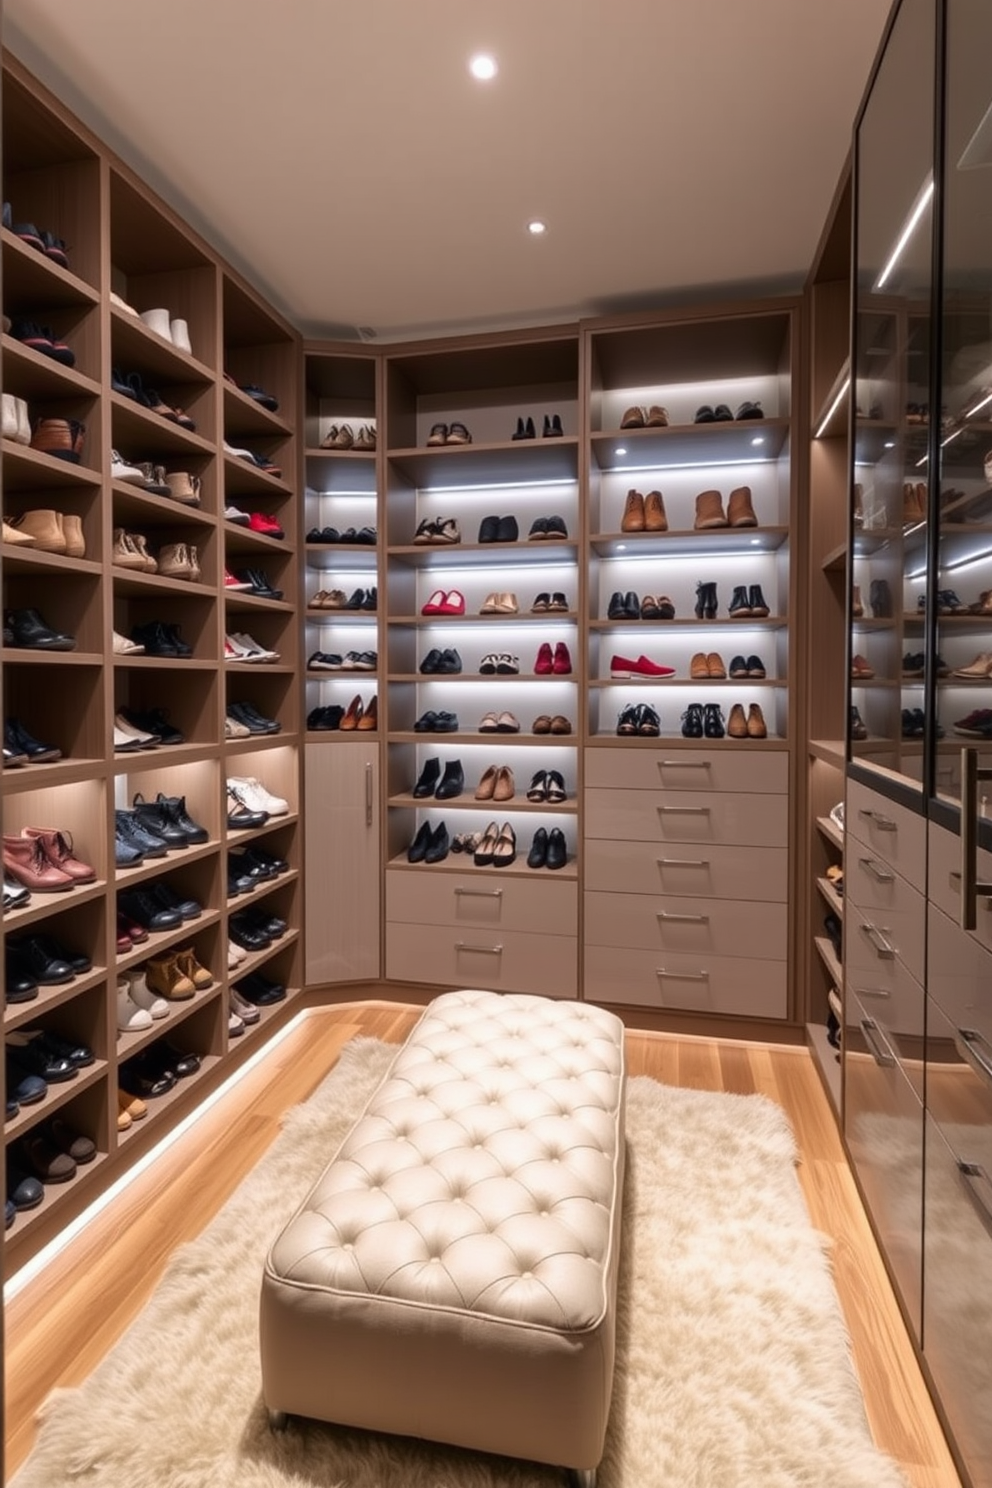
(343, 158)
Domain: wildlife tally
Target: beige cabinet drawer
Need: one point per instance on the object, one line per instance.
(502, 961)
(687, 816)
(688, 870)
(892, 832)
(944, 883)
(538, 905)
(884, 984)
(766, 773)
(886, 901)
(957, 1295)
(883, 1122)
(959, 1081)
(711, 984)
(959, 974)
(724, 927)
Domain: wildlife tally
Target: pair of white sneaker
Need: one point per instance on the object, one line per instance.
(137, 1005)
(241, 647)
(253, 796)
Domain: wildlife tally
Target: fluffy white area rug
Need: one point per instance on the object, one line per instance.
(733, 1368)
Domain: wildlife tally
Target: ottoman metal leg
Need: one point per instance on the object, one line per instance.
(278, 1420)
(580, 1477)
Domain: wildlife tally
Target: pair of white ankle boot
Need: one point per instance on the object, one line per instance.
(176, 331)
(16, 422)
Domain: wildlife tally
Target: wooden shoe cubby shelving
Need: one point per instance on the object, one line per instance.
(123, 241)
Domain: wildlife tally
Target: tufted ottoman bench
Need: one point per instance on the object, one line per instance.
(452, 1275)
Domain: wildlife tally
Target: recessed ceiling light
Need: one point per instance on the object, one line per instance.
(483, 67)
(621, 449)
(536, 228)
(758, 439)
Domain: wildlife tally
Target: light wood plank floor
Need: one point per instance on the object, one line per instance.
(60, 1325)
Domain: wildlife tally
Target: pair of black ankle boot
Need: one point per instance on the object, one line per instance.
(703, 721)
(747, 603)
(442, 787)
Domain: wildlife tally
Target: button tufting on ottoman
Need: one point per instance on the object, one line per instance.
(452, 1274)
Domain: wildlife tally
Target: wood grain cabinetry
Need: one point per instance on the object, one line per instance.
(163, 339)
(343, 907)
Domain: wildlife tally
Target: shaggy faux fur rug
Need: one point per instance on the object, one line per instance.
(733, 1368)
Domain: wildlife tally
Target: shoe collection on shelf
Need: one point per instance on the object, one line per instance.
(137, 566)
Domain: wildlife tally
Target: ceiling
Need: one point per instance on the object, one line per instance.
(344, 159)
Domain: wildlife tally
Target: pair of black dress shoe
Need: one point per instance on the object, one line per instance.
(254, 721)
(21, 748)
(328, 717)
(363, 599)
(498, 529)
(154, 721)
(260, 990)
(46, 1055)
(552, 428)
(444, 787)
(155, 1070)
(548, 527)
(629, 607)
(441, 663)
(431, 844)
(640, 719)
(548, 849)
(153, 828)
(433, 722)
(247, 869)
(255, 929)
(29, 631)
(157, 906)
(34, 961)
(703, 721)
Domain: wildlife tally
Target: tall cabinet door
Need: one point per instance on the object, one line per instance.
(342, 862)
(957, 1231)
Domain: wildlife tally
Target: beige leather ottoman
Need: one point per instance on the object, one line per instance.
(452, 1275)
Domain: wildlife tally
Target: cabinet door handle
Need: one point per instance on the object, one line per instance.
(683, 862)
(871, 991)
(686, 810)
(968, 1043)
(883, 950)
(463, 945)
(684, 765)
(877, 1047)
(480, 893)
(663, 914)
(683, 976)
(883, 823)
(971, 889)
(978, 1185)
(877, 870)
(368, 795)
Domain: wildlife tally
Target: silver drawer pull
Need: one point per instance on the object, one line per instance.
(967, 1041)
(684, 765)
(878, 942)
(480, 893)
(883, 823)
(369, 794)
(463, 945)
(979, 1187)
(686, 810)
(683, 862)
(663, 914)
(683, 976)
(872, 991)
(877, 870)
(877, 1047)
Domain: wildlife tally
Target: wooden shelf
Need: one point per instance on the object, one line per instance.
(832, 833)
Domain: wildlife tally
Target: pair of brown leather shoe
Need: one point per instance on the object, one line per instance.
(496, 784)
(707, 665)
(750, 727)
(644, 513)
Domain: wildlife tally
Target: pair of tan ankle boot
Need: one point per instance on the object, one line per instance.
(740, 512)
(175, 560)
(48, 531)
(644, 513)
